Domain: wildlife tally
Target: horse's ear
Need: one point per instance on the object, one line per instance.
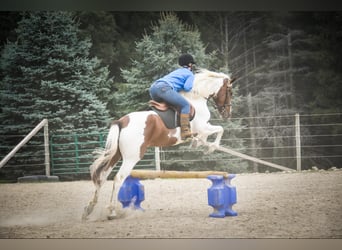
(233, 80)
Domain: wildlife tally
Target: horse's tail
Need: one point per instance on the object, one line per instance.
(113, 136)
(107, 157)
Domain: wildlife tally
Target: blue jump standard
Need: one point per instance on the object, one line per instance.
(221, 195)
(131, 193)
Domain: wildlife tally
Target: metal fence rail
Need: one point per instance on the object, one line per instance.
(314, 140)
(42, 124)
(74, 153)
(274, 140)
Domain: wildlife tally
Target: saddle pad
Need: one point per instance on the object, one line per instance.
(169, 117)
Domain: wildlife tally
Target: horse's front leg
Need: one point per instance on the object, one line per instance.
(199, 140)
(219, 130)
(209, 130)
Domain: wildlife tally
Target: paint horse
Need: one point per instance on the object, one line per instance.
(130, 136)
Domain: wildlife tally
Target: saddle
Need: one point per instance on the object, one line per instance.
(170, 115)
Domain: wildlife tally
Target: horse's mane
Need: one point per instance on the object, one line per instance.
(207, 82)
(207, 73)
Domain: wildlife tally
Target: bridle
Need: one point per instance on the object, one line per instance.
(226, 91)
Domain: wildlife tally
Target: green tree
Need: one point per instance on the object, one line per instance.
(8, 22)
(48, 74)
(156, 55)
(102, 29)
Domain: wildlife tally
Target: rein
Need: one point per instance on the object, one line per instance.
(211, 99)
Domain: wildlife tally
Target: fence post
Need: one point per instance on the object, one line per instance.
(46, 147)
(252, 130)
(298, 144)
(76, 153)
(52, 154)
(157, 158)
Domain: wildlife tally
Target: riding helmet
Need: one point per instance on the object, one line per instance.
(185, 59)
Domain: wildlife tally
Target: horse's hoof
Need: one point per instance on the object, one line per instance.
(111, 217)
(112, 214)
(195, 143)
(211, 148)
(206, 151)
(86, 212)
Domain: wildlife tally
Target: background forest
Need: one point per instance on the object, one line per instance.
(82, 69)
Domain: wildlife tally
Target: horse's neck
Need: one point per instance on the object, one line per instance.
(205, 90)
(194, 98)
(200, 105)
(207, 83)
(198, 96)
(193, 95)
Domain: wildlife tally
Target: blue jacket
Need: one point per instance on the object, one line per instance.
(179, 79)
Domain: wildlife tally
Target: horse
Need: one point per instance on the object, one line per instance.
(131, 135)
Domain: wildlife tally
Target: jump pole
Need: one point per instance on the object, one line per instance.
(152, 174)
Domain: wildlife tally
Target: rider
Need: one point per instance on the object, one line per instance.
(167, 88)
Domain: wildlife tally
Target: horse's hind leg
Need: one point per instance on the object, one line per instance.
(90, 207)
(120, 177)
(98, 180)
